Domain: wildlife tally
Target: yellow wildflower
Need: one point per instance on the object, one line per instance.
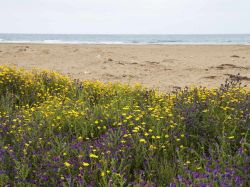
(91, 155)
(143, 141)
(102, 173)
(67, 164)
(85, 164)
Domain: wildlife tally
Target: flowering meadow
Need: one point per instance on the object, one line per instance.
(55, 131)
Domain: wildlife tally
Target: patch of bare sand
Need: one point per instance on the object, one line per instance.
(156, 66)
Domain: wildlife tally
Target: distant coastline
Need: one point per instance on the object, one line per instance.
(210, 39)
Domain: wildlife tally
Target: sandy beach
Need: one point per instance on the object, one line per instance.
(155, 66)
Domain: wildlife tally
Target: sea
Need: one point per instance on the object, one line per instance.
(230, 39)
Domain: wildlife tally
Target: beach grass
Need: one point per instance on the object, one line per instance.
(56, 131)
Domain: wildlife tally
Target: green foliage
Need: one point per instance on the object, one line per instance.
(62, 132)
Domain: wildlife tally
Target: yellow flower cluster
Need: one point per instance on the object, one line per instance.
(86, 124)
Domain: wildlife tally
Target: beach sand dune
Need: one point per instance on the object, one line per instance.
(164, 67)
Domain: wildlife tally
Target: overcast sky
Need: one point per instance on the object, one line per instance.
(125, 16)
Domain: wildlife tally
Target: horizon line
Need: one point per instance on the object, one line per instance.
(127, 33)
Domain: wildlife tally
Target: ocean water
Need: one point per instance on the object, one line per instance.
(125, 39)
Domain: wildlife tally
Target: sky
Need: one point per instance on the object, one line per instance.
(125, 16)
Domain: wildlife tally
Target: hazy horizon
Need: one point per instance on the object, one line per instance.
(127, 34)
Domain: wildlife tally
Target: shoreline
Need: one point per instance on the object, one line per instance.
(155, 66)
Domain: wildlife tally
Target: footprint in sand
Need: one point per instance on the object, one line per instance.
(210, 77)
(235, 56)
(21, 50)
(167, 69)
(45, 51)
(229, 66)
(121, 63)
(109, 60)
(134, 63)
(169, 60)
(152, 62)
(109, 76)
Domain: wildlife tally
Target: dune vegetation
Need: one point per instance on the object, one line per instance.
(56, 131)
